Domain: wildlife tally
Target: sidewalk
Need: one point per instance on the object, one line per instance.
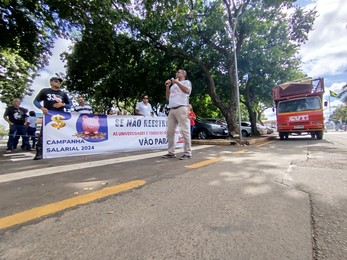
(235, 141)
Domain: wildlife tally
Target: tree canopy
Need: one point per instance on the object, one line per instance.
(124, 49)
(199, 37)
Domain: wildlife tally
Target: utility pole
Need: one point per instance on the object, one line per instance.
(237, 72)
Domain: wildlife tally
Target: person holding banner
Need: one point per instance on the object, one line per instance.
(144, 108)
(177, 93)
(82, 107)
(53, 98)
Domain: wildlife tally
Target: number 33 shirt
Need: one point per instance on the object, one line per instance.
(51, 97)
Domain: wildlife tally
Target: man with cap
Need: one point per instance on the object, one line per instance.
(53, 98)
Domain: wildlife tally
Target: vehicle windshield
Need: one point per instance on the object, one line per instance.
(301, 104)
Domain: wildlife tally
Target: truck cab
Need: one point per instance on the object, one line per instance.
(299, 107)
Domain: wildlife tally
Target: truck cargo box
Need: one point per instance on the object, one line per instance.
(306, 86)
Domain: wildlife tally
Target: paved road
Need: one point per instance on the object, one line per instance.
(274, 200)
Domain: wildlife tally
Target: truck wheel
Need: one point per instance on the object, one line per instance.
(319, 135)
(282, 135)
(313, 135)
(286, 135)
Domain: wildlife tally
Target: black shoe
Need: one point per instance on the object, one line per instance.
(38, 157)
(186, 157)
(169, 156)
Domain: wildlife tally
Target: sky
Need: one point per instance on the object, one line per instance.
(324, 54)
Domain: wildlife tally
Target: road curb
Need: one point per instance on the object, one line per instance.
(227, 142)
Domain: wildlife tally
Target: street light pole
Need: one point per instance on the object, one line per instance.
(237, 76)
(189, 16)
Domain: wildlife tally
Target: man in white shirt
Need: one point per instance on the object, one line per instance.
(144, 108)
(82, 107)
(177, 92)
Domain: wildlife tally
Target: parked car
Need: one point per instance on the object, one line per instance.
(246, 129)
(245, 126)
(269, 129)
(210, 128)
(261, 129)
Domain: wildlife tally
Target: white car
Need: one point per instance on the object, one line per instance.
(262, 129)
(247, 129)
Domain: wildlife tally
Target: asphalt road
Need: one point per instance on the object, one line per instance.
(272, 200)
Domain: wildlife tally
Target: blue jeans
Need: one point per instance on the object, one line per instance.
(31, 134)
(192, 127)
(17, 130)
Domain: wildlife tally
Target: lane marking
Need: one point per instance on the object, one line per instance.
(259, 145)
(213, 160)
(242, 151)
(203, 163)
(78, 166)
(20, 156)
(52, 208)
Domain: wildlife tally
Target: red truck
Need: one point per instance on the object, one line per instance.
(299, 107)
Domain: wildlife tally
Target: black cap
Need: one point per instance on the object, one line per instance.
(56, 78)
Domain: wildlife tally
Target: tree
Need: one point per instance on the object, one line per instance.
(121, 69)
(197, 36)
(340, 114)
(267, 55)
(28, 30)
(15, 78)
(202, 34)
(27, 33)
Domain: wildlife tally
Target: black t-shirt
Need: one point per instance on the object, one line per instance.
(50, 97)
(16, 115)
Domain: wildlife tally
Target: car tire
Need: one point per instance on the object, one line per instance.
(244, 133)
(202, 135)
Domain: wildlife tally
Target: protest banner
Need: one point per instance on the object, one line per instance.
(72, 134)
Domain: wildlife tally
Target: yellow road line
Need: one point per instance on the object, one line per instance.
(241, 151)
(48, 209)
(259, 145)
(203, 163)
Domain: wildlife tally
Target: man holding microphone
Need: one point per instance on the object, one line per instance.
(177, 93)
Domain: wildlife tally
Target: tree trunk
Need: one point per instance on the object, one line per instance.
(252, 114)
(228, 110)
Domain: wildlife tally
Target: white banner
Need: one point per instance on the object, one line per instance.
(71, 134)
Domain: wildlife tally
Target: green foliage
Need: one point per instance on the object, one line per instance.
(124, 49)
(135, 54)
(112, 67)
(28, 29)
(14, 82)
(340, 114)
(203, 107)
